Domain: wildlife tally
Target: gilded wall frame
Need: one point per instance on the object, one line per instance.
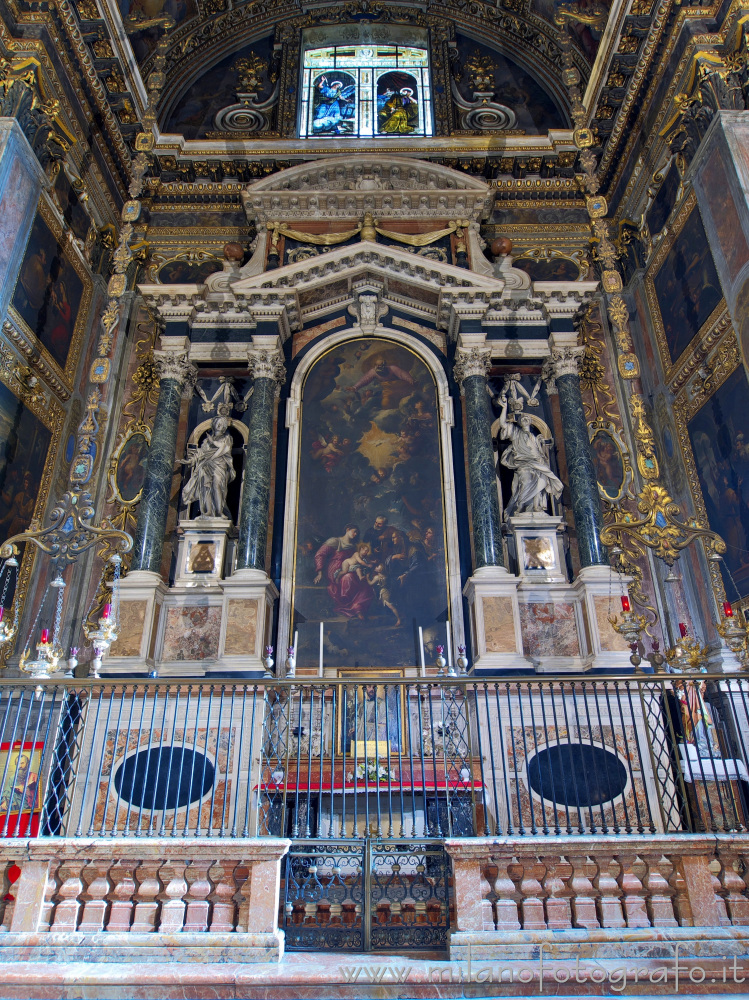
(654, 266)
(685, 406)
(52, 415)
(72, 258)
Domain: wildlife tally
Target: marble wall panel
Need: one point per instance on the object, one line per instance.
(132, 621)
(192, 632)
(499, 625)
(610, 640)
(549, 629)
(241, 627)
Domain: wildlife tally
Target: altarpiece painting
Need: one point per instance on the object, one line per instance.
(370, 550)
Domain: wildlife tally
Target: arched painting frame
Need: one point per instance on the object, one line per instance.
(611, 460)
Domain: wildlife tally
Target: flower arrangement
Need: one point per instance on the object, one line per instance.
(372, 772)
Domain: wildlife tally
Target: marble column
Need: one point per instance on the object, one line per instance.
(266, 365)
(471, 366)
(176, 376)
(583, 482)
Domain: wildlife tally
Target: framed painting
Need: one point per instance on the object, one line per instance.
(682, 285)
(718, 469)
(128, 465)
(20, 805)
(52, 296)
(370, 525)
(371, 717)
(30, 431)
(610, 459)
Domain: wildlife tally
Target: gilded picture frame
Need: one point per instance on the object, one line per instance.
(49, 412)
(612, 461)
(127, 465)
(68, 253)
(353, 720)
(672, 364)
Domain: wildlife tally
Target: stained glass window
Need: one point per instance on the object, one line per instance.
(366, 90)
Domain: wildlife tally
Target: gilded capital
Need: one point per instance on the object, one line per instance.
(177, 367)
(471, 362)
(565, 361)
(267, 364)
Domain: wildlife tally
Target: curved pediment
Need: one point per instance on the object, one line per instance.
(388, 186)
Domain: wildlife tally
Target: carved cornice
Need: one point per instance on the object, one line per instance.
(36, 361)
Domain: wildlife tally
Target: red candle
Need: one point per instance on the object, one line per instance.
(625, 603)
(682, 629)
(45, 635)
(727, 609)
(2, 612)
(107, 610)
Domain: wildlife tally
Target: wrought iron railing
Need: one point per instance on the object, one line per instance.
(378, 758)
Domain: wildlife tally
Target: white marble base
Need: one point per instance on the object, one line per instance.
(202, 550)
(496, 639)
(599, 589)
(141, 597)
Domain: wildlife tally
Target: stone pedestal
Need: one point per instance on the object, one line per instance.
(539, 547)
(599, 589)
(248, 598)
(141, 596)
(202, 551)
(492, 595)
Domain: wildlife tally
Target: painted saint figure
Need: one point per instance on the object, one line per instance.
(212, 469)
(335, 106)
(528, 455)
(399, 114)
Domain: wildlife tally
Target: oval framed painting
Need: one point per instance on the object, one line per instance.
(129, 466)
(611, 462)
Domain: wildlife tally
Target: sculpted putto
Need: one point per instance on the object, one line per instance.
(528, 455)
(211, 470)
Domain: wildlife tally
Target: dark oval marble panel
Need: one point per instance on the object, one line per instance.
(577, 775)
(164, 777)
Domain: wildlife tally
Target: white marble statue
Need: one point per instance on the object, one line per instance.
(528, 456)
(211, 470)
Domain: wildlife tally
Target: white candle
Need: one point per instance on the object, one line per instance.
(296, 640)
(319, 669)
(449, 648)
(421, 651)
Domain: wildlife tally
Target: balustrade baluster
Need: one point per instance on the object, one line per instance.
(223, 912)
(682, 905)
(558, 915)
(69, 903)
(610, 906)
(146, 905)
(198, 905)
(530, 888)
(583, 899)
(633, 894)
(660, 904)
(51, 890)
(122, 896)
(172, 917)
(720, 901)
(504, 887)
(96, 903)
(735, 887)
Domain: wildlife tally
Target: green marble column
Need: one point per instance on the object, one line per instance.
(470, 372)
(268, 369)
(583, 482)
(174, 373)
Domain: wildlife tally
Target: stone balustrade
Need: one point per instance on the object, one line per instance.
(126, 899)
(625, 892)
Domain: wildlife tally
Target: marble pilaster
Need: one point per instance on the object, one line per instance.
(176, 374)
(266, 365)
(583, 483)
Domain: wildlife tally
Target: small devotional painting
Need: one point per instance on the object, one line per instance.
(686, 286)
(49, 292)
(131, 467)
(370, 559)
(720, 445)
(609, 464)
(20, 765)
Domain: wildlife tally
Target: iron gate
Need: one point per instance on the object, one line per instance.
(366, 895)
